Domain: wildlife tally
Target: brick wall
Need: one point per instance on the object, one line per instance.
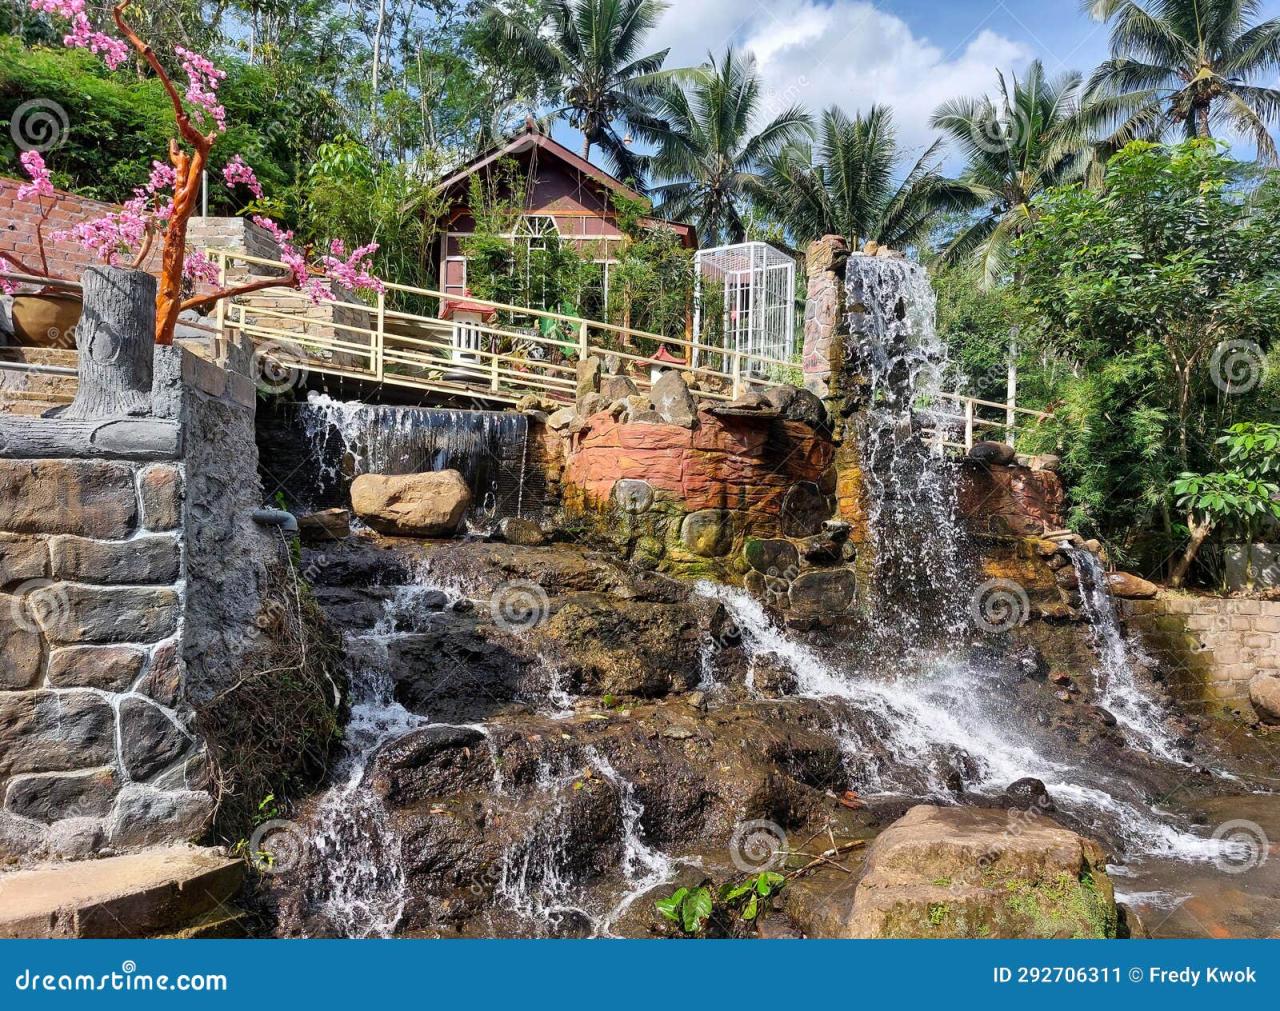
(18, 231)
(1215, 644)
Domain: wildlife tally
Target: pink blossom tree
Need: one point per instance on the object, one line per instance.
(164, 205)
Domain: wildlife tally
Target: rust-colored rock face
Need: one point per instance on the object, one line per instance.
(1010, 499)
(730, 464)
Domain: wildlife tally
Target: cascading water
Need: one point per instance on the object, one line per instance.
(911, 499)
(904, 731)
(1117, 685)
(341, 440)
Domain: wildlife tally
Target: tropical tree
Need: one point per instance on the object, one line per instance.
(1186, 64)
(851, 185)
(589, 50)
(711, 159)
(1016, 147)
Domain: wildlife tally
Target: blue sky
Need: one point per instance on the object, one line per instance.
(911, 54)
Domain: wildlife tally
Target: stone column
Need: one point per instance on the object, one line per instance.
(823, 313)
(116, 339)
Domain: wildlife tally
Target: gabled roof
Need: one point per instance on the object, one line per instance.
(530, 138)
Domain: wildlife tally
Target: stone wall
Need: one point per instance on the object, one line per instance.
(130, 571)
(1012, 499)
(1216, 646)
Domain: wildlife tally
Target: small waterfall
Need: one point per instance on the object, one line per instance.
(912, 514)
(1118, 690)
(905, 731)
(340, 440)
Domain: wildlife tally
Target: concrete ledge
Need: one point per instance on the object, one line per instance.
(110, 439)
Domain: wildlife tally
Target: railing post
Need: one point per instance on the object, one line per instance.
(737, 373)
(583, 344)
(223, 349)
(379, 342)
(968, 424)
(493, 367)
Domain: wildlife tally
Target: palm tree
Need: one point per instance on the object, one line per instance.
(589, 50)
(1016, 147)
(850, 190)
(709, 156)
(1186, 64)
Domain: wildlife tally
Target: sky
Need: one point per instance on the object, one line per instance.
(910, 54)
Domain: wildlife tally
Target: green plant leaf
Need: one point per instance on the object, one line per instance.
(696, 910)
(670, 906)
(752, 907)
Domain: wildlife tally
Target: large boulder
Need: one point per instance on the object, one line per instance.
(976, 872)
(672, 400)
(1264, 694)
(1131, 587)
(431, 504)
(992, 452)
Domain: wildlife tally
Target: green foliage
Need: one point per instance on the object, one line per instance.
(735, 907)
(687, 908)
(1142, 286)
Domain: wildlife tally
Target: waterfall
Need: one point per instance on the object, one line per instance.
(904, 730)
(339, 440)
(915, 536)
(1118, 690)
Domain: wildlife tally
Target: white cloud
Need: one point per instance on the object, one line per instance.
(846, 52)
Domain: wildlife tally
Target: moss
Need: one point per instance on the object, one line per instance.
(1067, 906)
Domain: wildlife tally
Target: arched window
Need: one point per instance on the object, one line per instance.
(533, 230)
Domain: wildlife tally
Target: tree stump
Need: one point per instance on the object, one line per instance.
(116, 340)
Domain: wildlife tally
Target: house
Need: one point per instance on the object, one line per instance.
(565, 195)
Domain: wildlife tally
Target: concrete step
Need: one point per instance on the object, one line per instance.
(155, 892)
(224, 922)
(65, 357)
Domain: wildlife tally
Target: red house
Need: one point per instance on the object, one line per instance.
(565, 195)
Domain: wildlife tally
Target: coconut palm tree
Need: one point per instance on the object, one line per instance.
(1028, 140)
(1186, 64)
(710, 155)
(854, 189)
(589, 51)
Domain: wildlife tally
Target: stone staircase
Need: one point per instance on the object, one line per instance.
(32, 392)
(177, 892)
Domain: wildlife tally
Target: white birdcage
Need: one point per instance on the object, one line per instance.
(754, 284)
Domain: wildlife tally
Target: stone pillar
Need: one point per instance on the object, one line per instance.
(823, 313)
(116, 339)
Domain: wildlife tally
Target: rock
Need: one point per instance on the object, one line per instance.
(430, 504)
(517, 530)
(871, 247)
(772, 676)
(613, 364)
(779, 397)
(823, 593)
(591, 404)
(708, 532)
(828, 253)
(431, 762)
(21, 650)
(806, 407)
(163, 681)
(972, 872)
(617, 388)
(52, 796)
(144, 816)
(1264, 695)
(108, 614)
(774, 556)
(822, 549)
(1131, 587)
(1047, 461)
(804, 509)
(140, 561)
(561, 418)
(46, 731)
(89, 498)
(1028, 794)
(150, 741)
(992, 453)
(106, 668)
(325, 525)
(672, 400)
(22, 559)
(632, 495)
(588, 378)
(160, 489)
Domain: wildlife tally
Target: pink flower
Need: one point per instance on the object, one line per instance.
(81, 34)
(236, 171)
(354, 271)
(110, 237)
(198, 267)
(203, 79)
(40, 185)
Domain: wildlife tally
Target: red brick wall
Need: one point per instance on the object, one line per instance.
(18, 221)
